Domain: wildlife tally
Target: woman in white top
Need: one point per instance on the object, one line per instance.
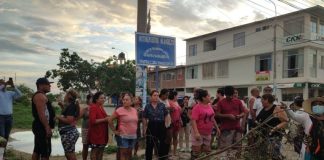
(297, 113)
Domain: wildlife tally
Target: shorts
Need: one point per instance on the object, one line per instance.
(204, 140)
(125, 142)
(42, 144)
(97, 146)
(84, 135)
(229, 137)
(214, 132)
(68, 139)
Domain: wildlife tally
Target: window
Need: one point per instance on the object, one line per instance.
(313, 25)
(239, 39)
(293, 63)
(258, 29)
(263, 62)
(222, 68)
(208, 70)
(265, 27)
(180, 74)
(312, 62)
(168, 76)
(192, 50)
(210, 45)
(192, 72)
(321, 31)
(288, 94)
(294, 26)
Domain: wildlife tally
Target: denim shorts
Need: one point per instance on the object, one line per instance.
(125, 142)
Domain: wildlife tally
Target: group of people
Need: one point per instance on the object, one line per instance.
(164, 123)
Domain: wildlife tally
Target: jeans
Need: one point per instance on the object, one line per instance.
(5, 125)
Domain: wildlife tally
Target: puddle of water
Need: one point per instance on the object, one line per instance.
(24, 142)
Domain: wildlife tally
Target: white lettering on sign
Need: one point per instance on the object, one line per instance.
(315, 85)
(148, 39)
(155, 52)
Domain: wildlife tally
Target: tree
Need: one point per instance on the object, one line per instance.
(74, 72)
(114, 78)
(108, 76)
(27, 94)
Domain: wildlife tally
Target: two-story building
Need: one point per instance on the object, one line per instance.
(243, 56)
(169, 78)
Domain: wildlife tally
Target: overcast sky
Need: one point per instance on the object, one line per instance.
(32, 32)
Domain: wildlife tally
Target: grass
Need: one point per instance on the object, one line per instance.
(22, 115)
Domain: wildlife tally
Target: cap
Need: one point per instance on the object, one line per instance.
(43, 80)
(298, 100)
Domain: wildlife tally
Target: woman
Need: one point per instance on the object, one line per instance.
(84, 114)
(154, 116)
(315, 142)
(98, 126)
(185, 128)
(127, 126)
(271, 129)
(202, 121)
(67, 121)
(138, 107)
(175, 112)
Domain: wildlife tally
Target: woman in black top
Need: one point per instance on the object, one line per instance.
(67, 123)
(154, 127)
(271, 129)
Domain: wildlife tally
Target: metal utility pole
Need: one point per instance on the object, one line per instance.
(274, 50)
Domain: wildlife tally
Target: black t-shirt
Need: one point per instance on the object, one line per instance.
(70, 110)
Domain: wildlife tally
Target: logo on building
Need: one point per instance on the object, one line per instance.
(291, 39)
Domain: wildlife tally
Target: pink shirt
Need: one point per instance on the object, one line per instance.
(127, 122)
(203, 114)
(175, 111)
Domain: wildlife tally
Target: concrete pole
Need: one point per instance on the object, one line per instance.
(141, 15)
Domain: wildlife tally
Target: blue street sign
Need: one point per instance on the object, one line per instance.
(155, 50)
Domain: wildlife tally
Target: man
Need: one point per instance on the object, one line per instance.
(230, 110)
(43, 123)
(255, 107)
(6, 99)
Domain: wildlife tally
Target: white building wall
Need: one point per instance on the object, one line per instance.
(242, 59)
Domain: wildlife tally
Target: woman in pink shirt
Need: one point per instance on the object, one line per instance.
(202, 121)
(175, 118)
(127, 127)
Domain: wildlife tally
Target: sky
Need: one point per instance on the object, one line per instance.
(33, 32)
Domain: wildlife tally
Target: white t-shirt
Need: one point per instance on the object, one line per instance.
(258, 106)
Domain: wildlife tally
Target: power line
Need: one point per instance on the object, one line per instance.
(261, 6)
(244, 2)
(290, 4)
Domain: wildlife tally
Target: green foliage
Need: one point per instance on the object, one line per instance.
(108, 76)
(111, 149)
(73, 72)
(27, 94)
(22, 115)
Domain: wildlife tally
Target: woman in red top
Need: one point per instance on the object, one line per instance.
(98, 126)
(175, 118)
